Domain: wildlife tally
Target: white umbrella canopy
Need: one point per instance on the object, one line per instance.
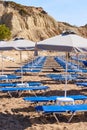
(4, 45)
(22, 44)
(66, 42)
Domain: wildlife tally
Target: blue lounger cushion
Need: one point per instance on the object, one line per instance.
(52, 98)
(9, 77)
(7, 84)
(6, 89)
(65, 108)
(84, 84)
(31, 83)
(61, 77)
(32, 67)
(50, 108)
(29, 70)
(40, 98)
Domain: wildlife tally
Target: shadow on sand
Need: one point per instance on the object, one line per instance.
(14, 122)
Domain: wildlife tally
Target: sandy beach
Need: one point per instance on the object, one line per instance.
(17, 114)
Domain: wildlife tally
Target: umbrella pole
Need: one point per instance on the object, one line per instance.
(77, 56)
(78, 61)
(2, 63)
(21, 67)
(28, 61)
(65, 94)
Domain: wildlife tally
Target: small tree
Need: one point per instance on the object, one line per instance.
(5, 32)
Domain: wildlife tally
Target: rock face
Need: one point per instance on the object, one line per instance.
(33, 22)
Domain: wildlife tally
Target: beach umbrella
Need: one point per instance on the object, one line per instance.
(2, 47)
(20, 45)
(67, 42)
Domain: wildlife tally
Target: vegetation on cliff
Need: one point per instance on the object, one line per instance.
(5, 33)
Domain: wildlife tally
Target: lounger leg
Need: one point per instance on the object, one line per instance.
(71, 117)
(56, 117)
(20, 93)
(9, 94)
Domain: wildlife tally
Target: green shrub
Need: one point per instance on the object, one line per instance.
(5, 32)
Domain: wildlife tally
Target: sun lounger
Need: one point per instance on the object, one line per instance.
(77, 70)
(61, 77)
(31, 83)
(57, 109)
(9, 77)
(28, 70)
(40, 98)
(52, 98)
(3, 77)
(21, 89)
(7, 84)
(81, 84)
(33, 67)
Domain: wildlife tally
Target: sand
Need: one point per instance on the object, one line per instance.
(16, 114)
